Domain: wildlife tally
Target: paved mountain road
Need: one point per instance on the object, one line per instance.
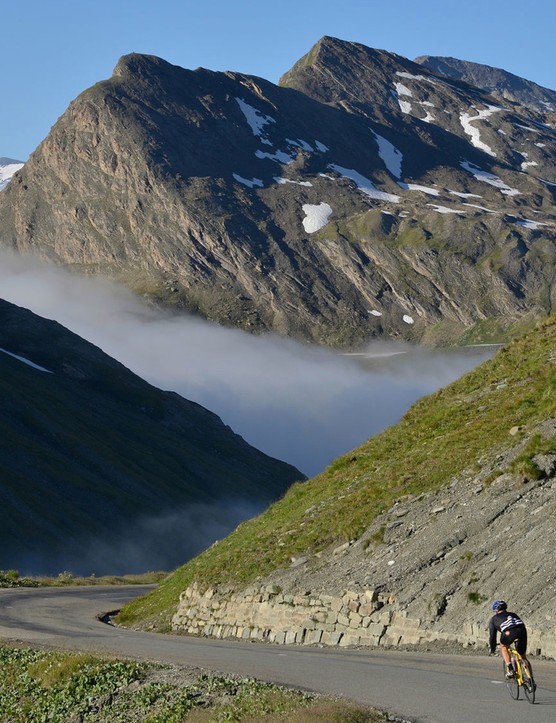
(425, 687)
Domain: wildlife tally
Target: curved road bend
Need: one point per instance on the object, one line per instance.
(424, 687)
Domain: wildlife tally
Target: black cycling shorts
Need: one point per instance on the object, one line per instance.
(517, 635)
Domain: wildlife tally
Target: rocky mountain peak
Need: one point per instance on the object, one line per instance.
(364, 196)
(137, 64)
(340, 72)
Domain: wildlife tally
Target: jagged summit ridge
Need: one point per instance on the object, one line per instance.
(499, 82)
(365, 195)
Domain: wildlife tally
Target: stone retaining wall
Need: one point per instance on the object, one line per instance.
(268, 614)
(354, 618)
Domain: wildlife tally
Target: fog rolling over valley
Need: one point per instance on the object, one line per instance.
(160, 542)
(299, 403)
(103, 472)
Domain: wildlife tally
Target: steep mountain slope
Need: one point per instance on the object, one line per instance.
(365, 196)
(101, 471)
(428, 520)
(499, 83)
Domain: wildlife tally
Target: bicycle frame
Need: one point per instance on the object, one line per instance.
(516, 660)
(523, 676)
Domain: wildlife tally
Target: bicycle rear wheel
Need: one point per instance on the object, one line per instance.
(529, 686)
(513, 685)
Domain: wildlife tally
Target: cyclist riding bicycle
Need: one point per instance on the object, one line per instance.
(512, 630)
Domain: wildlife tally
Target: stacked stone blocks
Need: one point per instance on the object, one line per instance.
(265, 613)
(354, 618)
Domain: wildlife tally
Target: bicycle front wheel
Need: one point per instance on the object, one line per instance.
(529, 686)
(513, 685)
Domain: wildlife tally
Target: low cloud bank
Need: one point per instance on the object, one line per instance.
(303, 404)
(162, 542)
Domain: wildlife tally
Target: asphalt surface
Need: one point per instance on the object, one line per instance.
(415, 686)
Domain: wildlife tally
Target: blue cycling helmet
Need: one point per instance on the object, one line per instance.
(499, 605)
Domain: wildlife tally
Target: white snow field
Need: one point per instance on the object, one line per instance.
(316, 217)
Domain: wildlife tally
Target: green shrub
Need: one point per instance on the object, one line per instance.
(475, 597)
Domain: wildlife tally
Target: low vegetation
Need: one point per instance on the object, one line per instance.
(38, 686)
(12, 578)
(475, 418)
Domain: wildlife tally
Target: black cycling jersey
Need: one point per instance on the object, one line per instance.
(511, 627)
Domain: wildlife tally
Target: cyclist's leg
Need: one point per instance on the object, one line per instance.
(521, 647)
(505, 653)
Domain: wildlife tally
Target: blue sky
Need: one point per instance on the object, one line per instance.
(51, 50)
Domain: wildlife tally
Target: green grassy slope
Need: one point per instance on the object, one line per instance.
(440, 436)
(91, 447)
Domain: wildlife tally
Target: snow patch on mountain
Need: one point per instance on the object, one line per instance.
(390, 155)
(283, 181)
(364, 184)
(444, 209)
(300, 143)
(7, 169)
(526, 128)
(526, 163)
(250, 183)
(528, 223)
(489, 178)
(402, 89)
(256, 120)
(412, 76)
(279, 156)
(405, 106)
(429, 118)
(464, 195)
(25, 361)
(481, 208)
(466, 119)
(417, 187)
(316, 217)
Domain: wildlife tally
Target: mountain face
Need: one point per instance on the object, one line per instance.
(7, 169)
(499, 83)
(101, 471)
(364, 196)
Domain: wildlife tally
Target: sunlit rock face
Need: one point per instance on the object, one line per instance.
(366, 195)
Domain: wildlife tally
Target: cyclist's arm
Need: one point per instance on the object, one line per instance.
(492, 636)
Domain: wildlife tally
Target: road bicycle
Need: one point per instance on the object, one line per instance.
(522, 678)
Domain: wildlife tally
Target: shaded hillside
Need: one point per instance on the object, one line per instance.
(491, 433)
(365, 196)
(102, 472)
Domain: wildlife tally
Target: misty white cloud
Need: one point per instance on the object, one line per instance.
(302, 404)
